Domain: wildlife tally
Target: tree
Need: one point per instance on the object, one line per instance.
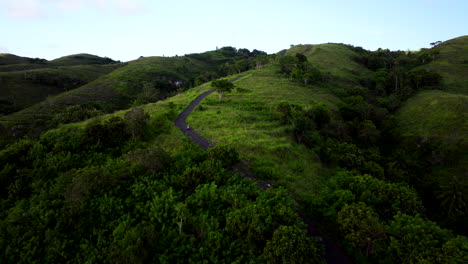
(322, 115)
(288, 63)
(436, 43)
(362, 228)
(222, 86)
(290, 245)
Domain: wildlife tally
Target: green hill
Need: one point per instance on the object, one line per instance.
(81, 59)
(21, 89)
(332, 57)
(452, 63)
(6, 58)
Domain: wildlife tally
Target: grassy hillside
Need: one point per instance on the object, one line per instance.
(452, 64)
(80, 59)
(247, 119)
(435, 114)
(336, 59)
(21, 89)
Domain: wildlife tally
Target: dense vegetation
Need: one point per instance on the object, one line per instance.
(371, 145)
(101, 194)
(375, 214)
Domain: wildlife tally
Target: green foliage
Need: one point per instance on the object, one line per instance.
(222, 86)
(74, 196)
(289, 245)
(288, 64)
(288, 113)
(361, 228)
(75, 113)
(227, 155)
(136, 121)
(321, 115)
(382, 220)
(413, 239)
(110, 134)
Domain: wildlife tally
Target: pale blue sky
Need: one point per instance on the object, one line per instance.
(126, 29)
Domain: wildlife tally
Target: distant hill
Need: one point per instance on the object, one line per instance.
(331, 57)
(6, 58)
(81, 59)
(26, 81)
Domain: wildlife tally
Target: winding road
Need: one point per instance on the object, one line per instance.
(333, 253)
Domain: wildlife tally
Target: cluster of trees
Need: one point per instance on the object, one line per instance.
(398, 74)
(230, 61)
(104, 193)
(298, 68)
(384, 221)
(242, 60)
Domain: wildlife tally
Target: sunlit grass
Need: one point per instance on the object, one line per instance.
(246, 119)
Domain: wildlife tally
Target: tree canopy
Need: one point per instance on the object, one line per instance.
(222, 86)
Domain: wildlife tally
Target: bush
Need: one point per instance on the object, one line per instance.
(108, 135)
(290, 245)
(228, 156)
(136, 121)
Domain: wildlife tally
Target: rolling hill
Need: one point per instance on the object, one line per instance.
(24, 88)
(451, 61)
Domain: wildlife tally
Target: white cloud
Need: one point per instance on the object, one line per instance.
(70, 4)
(125, 7)
(24, 9)
(129, 7)
(38, 8)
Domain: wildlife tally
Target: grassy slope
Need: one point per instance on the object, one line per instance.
(333, 58)
(435, 114)
(441, 114)
(79, 59)
(246, 119)
(452, 64)
(25, 88)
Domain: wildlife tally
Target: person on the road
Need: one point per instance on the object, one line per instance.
(188, 127)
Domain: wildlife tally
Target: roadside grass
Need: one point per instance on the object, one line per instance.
(436, 114)
(246, 119)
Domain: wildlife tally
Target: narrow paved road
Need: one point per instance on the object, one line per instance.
(333, 253)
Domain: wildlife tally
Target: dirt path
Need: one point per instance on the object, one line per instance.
(333, 253)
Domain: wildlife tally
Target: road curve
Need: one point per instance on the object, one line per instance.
(333, 253)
